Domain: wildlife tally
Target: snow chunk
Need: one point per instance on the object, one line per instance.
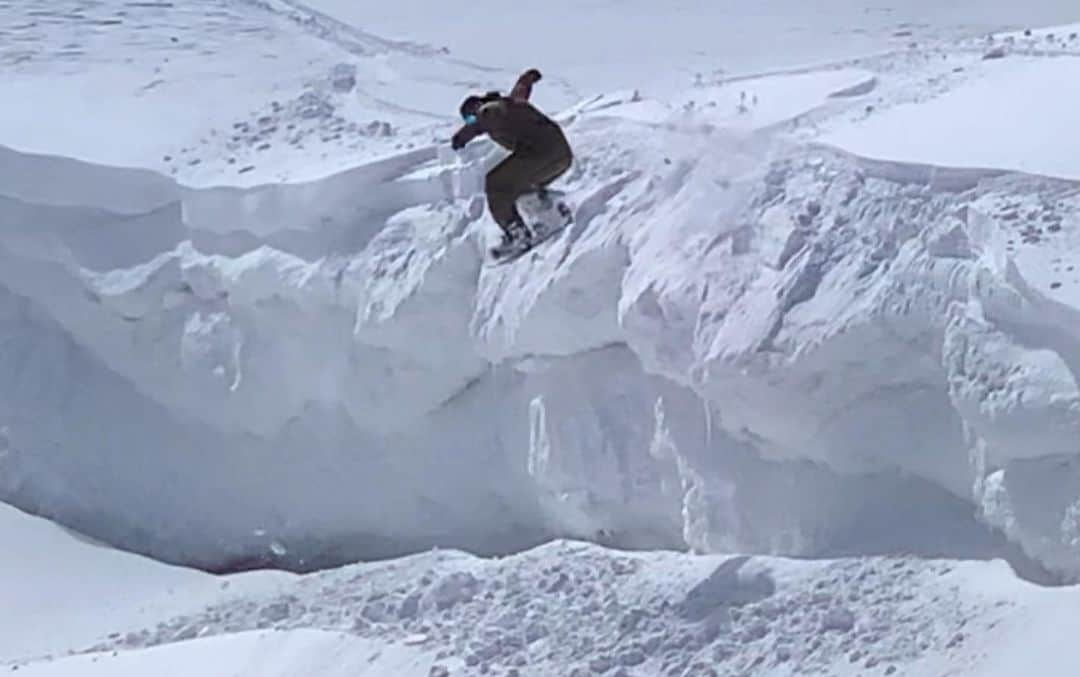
(451, 590)
(838, 619)
(736, 582)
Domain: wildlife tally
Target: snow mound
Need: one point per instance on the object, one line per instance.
(1015, 115)
(563, 608)
(754, 103)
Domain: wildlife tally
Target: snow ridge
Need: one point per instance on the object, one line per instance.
(392, 348)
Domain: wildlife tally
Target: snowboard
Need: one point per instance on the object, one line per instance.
(547, 218)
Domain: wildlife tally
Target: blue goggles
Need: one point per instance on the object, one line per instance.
(470, 119)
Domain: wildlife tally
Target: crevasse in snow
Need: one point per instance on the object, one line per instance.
(740, 344)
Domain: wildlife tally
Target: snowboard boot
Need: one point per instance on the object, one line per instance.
(544, 197)
(517, 238)
(546, 203)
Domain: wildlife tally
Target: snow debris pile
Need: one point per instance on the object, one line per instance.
(734, 619)
(562, 608)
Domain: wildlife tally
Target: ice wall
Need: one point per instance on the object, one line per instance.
(739, 345)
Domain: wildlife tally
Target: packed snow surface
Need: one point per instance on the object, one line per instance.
(1021, 104)
(605, 44)
(830, 311)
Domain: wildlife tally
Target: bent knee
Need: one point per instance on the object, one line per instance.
(497, 183)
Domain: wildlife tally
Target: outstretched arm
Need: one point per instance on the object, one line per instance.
(466, 134)
(523, 87)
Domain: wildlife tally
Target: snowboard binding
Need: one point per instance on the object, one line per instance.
(546, 213)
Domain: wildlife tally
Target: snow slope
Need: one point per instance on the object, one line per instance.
(600, 43)
(254, 653)
(64, 589)
(1020, 104)
(216, 91)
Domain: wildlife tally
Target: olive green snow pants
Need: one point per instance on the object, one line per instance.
(520, 173)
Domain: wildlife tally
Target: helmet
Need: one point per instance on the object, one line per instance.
(472, 103)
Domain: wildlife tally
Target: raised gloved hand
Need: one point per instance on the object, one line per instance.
(458, 141)
(533, 76)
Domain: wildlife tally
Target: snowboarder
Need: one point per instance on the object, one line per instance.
(539, 154)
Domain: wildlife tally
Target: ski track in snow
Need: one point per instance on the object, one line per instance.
(782, 323)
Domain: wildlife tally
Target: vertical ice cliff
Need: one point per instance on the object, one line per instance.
(740, 344)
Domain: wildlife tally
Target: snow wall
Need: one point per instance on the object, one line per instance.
(739, 346)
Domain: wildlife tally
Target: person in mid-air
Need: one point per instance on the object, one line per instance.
(539, 153)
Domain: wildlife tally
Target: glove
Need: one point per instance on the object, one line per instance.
(457, 142)
(533, 75)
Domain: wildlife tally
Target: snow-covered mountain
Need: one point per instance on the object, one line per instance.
(825, 311)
